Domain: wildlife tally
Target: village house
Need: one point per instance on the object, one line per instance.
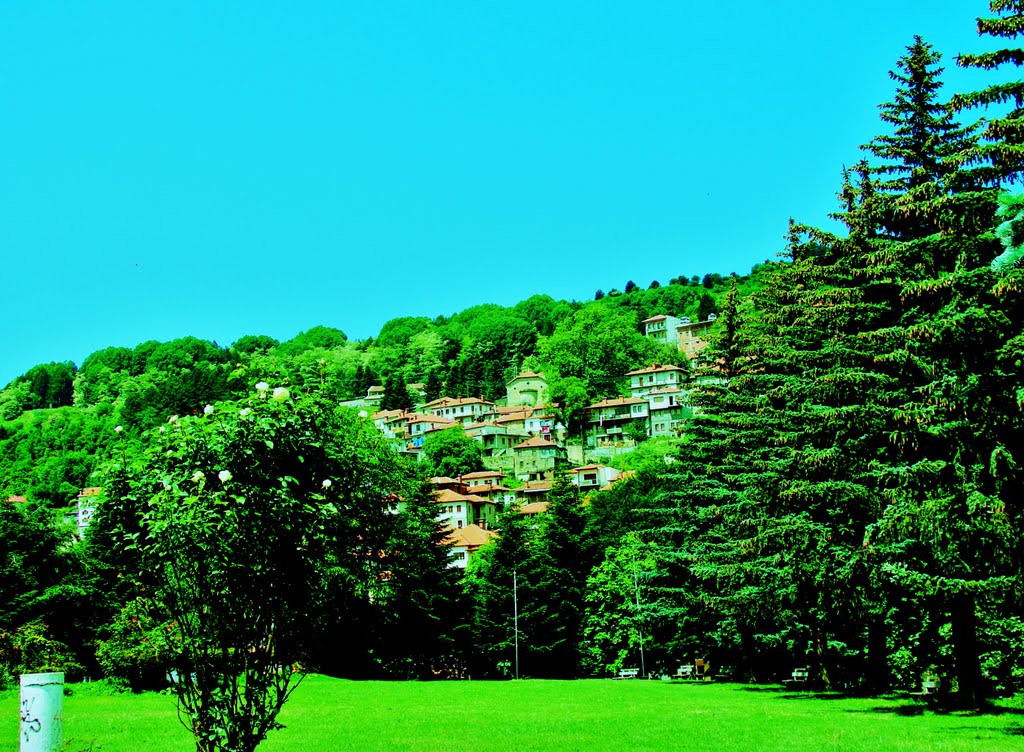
(391, 423)
(693, 335)
(608, 419)
(528, 388)
(662, 328)
(644, 380)
(417, 425)
(514, 419)
(464, 410)
(538, 459)
(501, 495)
(534, 492)
(669, 410)
(453, 508)
(593, 477)
(495, 438)
(465, 542)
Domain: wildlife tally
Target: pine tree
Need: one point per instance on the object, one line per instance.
(561, 561)
(396, 394)
(1001, 158)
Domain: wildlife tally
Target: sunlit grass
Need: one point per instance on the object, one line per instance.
(331, 715)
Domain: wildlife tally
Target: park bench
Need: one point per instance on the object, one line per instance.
(929, 688)
(628, 673)
(798, 678)
(685, 671)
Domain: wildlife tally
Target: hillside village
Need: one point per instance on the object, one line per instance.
(525, 445)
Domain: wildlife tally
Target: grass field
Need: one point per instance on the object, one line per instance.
(331, 715)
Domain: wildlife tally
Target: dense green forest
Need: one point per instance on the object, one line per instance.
(845, 498)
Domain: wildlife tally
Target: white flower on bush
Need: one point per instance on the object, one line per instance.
(163, 430)
(118, 429)
(224, 475)
(244, 412)
(198, 476)
(208, 410)
(262, 386)
(281, 394)
(173, 419)
(326, 483)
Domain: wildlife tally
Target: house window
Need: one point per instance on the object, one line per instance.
(458, 508)
(460, 523)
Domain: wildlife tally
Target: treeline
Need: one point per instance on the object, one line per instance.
(850, 497)
(583, 348)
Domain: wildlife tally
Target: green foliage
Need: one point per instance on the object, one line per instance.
(29, 649)
(318, 337)
(139, 647)
(256, 521)
(451, 453)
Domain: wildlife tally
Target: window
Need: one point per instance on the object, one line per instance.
(458, 508)
(460, 523)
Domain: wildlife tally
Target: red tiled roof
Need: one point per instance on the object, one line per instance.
(527, 375)
(652, 319)
(654, 368)
(16, 500)
(90, 491)
(536, 507)
(535, 443)
(451, 401)
(471, 536)
(482, 474)
(616, 402)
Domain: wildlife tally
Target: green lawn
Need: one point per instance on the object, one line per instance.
(331, 715)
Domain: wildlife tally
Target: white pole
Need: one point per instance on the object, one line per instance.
(42, 712)
(515, 612)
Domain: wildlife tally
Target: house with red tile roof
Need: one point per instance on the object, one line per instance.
(465, 542)
(538, 458)
(464, 410)
(608, 419)
(593, 477)
(655, 376)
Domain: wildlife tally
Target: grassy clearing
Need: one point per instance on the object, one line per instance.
(330, 715)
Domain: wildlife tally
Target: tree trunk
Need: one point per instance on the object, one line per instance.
(965, 650)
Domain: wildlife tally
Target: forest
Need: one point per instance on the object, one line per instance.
(845, 498)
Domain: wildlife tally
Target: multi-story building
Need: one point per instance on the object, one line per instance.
(538, 459)
(692, 336)
(645, 380)
(607, 420)
(662, 328)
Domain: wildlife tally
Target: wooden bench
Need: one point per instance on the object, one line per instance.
(628, 673)
(798, 678)
(685, 671)
(929, 689)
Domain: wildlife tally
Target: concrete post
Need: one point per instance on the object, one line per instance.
(42, 712)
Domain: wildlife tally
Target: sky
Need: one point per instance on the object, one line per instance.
(224, 169)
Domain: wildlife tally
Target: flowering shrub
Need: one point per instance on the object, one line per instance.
(248, 513)
(141, 648)
(29, 649)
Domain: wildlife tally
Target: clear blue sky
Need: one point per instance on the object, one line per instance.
(254, 168)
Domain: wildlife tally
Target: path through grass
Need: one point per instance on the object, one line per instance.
(330, 715)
